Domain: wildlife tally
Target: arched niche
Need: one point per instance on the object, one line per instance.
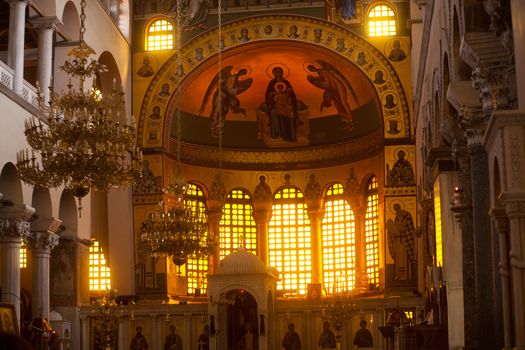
(10, 184)
(71, 21)
(110, 79)
(67, 212)
(41, 201)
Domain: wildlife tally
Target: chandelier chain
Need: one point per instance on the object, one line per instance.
(82, 20)
(219, 67)
(178, 91)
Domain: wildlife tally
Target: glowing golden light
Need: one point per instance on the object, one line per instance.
(23, 256)
(99, 272)
(338, 234)
(372, 232)
(381, 21)
(237, 224)
(437, 223)
(159, 36)
(289, 241)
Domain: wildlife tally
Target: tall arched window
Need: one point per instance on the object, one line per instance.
(237, 224)
(338, 242)
(381, 20)
(99, 272)
(196, 269)
(289, 241)
(372, 231)
(159, 35)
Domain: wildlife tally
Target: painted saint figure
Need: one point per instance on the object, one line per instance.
(146, 70)
(397, 54)
(363, 337)
(173, 340)
(401, 242)
(402, 173)
(281, 105)
(291, 340)
(223, 95)
(337, 90)
(138, 342)
(327, 337)
(203, 343)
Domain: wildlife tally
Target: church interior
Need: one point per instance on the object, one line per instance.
(263, 174)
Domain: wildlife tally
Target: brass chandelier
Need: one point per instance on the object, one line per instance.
(176, 229)
(81, 145)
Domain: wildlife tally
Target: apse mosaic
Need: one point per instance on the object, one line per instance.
(276, 97)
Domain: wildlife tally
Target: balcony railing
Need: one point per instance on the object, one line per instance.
(28, 93)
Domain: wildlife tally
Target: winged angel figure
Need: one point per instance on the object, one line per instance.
(224, 96)
(337, 89)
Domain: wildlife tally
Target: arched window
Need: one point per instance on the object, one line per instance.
(196, 269)
(289, 241)
(237, 224)
(372, 231)
(381, 20)
(99, 272)
(338, 242)
(159, 35)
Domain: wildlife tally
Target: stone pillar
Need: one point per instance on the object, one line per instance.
(501, 223)
(515, 209)
(154, 339)
(471, 319)
(262, 213)
(187, 336)
(214, 219)
(42, 239)
(84, 322)
(46, 28)
(482, 243)
(312, 196)
(215, 203)
(15, 50)
(316, 220)
(14, 226)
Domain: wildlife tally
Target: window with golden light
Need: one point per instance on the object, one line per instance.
(338, 234)
(159, 35)
(437, 225)
(381, 21)
(196, 269)
(99, 272)
(237, 224)
(372, 231)
(23, 256)
(289, 247)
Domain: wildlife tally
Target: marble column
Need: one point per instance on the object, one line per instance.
(15, 49)
(42, 239)
(316, 221)
(482, 242)
(46, 28)
(214, 219)
(313, 200)
(471, 319)
(501, 223)
(515, 209)
(155, 340)
(84, 324)
(261, 216)
(14, 227)
(187, 336)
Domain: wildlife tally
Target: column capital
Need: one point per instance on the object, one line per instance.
(14, 220)
(47, 22)
(500, 219)
(43, 233)
(25, 2)
(514, 204)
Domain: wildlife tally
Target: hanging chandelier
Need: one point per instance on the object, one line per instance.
(176, 229)
(82, 144)
(179, 231)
